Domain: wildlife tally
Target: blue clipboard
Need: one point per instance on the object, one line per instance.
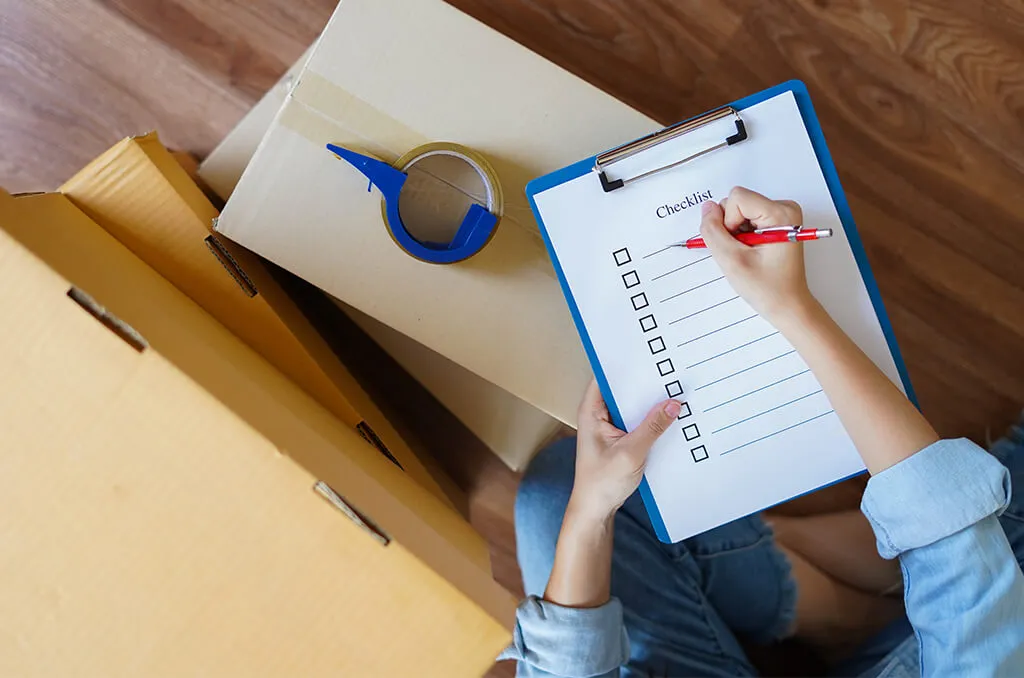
(828, 169)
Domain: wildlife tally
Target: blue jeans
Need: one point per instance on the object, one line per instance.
(688, 605)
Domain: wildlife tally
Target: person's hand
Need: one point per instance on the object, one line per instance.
(610, 462)
(771, 278)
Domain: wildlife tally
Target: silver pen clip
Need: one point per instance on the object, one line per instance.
(777, 229)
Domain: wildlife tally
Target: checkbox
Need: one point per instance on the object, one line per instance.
(665, 367)
(684, 411)
(657, 345)
(674, 389)
(691, 432)
(622, 257)
(648, 323)
(699, 453)
(630, 279)
(639, 301)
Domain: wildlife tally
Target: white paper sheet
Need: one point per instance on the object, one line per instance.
(756, 429)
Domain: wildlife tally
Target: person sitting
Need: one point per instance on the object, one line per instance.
(633, 606)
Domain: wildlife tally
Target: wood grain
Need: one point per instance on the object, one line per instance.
(922, 103)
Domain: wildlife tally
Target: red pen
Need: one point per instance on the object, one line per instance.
(766, 236)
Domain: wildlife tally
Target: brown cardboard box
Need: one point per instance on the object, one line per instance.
(387, 76)
(511, 428)
(158, 476)
(140, 194)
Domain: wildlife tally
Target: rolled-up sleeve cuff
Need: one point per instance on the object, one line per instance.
(939, 491)
(568, 641)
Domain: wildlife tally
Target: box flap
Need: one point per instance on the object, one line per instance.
(388, 75)
(247, 385)
(148, 530)
(140, 194)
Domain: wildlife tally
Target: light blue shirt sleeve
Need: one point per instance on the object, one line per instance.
(551, 640)
(937, 511)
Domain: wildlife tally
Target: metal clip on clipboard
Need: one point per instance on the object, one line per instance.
(661, 136)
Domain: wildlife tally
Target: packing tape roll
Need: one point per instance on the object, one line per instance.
(470, 237)
(478, 222)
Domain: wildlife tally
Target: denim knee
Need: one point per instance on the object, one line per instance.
(540, 506)
(549, 477)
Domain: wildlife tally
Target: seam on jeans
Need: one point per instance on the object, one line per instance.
(696, 586)
(786, 612)
(890, 669)
(755, 523)
(1012, 515)
(731, 551)
(704, 605)
(676, 554)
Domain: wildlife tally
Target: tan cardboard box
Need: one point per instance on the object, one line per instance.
(387, 76)
(511, 428)
(158, 477)
(140, 194)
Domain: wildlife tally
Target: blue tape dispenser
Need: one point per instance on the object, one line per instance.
(477, 226)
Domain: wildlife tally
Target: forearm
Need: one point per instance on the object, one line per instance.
(885, 427)
(577, 628)
(581, 576)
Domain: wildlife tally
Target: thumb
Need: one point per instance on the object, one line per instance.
(712, 228)
(657, 421)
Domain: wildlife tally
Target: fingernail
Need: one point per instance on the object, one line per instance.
(706, 207)
(672, 408)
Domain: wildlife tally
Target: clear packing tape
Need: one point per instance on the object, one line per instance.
(441, 202)
(444, 180)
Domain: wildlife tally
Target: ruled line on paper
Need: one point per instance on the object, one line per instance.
(716, 331)
(696, 313)
(732, 350)
(756, 390)
(730, 376)
(676, 270)
(663, 249)
(703, 284)
(775, 433)
(768, 411)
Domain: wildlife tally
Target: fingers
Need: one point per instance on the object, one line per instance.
(592, 408)
(796, 213)
(714, 232)
(746, 205)
(657, 421)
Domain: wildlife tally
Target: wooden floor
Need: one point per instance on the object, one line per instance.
(922, 103)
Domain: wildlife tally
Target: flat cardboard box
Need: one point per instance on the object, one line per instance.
(158, 476)
(511, 428)
(138, 192)
(385, 77)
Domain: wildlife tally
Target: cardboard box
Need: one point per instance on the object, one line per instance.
(385, 77)
(511, 428)
(140, 195)
(158, 476)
